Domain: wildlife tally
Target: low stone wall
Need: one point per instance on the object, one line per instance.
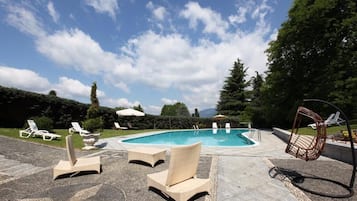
(335, 150)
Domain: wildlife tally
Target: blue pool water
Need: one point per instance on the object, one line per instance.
(208, 137)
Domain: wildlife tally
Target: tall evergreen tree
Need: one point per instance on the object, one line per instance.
(196, 114)
(232, 97)
(93, 121)
(314, 56)
(255, 106)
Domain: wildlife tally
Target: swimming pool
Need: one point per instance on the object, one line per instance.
(208, 137)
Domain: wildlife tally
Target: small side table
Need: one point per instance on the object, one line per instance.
(147, 154)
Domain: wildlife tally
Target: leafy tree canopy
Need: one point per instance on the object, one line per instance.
(314, 56)
(178, 109)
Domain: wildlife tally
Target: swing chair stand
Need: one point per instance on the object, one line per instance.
(310, 147)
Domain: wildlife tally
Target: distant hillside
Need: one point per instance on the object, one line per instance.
(208, 112)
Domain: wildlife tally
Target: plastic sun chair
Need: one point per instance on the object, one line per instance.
(179, 181)
(34, 131)
(75, 165)
(214, 125)
(336, 120)
(228, 127)
(328, 121)
(117, 126)
(76, 128)
(131, 126)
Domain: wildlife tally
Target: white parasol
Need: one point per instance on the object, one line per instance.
(130, 112)
(220, 116)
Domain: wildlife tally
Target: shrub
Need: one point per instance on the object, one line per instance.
(93, 124)
(43, 123)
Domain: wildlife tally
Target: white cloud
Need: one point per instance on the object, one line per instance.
(168, 101)
(109, 7)
(29, 80)
(153, 109)
(75, 48)
(52, 12)
(120, 102)
(212, 21)
(244, 8)
(159, 12)
(25, 21)
(171, 61)
(70, 88)
(23, 79)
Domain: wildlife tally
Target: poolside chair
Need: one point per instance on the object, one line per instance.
(131, 126)
(117, 126)
(33, 131)
(76, 128)
(179, 181)
(214, 125)
(335, 120)
(327, 121)
(75, 165)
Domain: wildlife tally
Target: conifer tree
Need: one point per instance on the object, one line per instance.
(232, 97)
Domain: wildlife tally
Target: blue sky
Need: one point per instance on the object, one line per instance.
(138, 52)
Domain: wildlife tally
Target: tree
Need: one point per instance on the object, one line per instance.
(196, 114)
(178, 109)
(139, 108)
(93, 121)
(52, 93)
(255, 107)
(232, 97)
(314, 56)
(181, 110)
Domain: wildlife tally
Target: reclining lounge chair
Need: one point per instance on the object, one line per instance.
(33, 131)
(76, 128)
(75, 165)
(179, 180)
(117, 126)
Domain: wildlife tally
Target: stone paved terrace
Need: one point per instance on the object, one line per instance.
(236, 173)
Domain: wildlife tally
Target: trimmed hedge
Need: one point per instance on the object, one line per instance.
(17, 106)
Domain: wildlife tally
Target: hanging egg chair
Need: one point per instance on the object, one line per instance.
(303, 146)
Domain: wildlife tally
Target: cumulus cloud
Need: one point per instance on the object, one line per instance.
(168, 101)
(159, 12)
(71, 88)
(171, 60)
(23, 79)
(52, 12)
(120, 102)
(109, 7)
(212, 21)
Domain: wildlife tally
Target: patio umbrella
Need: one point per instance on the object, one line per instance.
(219, 116)
(130, 112)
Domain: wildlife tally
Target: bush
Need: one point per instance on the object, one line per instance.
(93, 124)
(43, 123)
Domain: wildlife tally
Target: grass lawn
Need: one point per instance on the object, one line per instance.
(330, 130)
(77, 139)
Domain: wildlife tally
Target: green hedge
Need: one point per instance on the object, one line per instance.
(17, 106)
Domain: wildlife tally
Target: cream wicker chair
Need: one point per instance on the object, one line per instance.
(179, 180)
(75, 165)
